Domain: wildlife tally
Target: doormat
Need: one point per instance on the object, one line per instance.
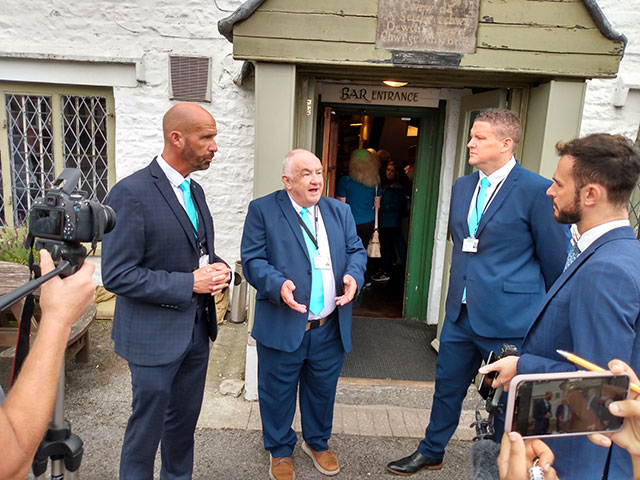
(391, 348)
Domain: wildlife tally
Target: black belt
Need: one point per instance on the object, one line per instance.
(313, 324)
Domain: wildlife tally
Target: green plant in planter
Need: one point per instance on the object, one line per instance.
(12, 244)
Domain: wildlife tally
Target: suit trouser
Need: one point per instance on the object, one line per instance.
(165, 408)
(459, 358)
(315, 366)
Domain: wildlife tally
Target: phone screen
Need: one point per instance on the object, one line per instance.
(483, 382)
(571, 405)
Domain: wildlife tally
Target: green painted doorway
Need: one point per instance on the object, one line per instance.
(429, 123)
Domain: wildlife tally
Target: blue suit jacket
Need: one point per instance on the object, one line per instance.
(274, 250)
(593, 310)
(521, 252)
(147, 261)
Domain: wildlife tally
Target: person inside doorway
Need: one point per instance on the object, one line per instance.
(392, 209)
(361, 191)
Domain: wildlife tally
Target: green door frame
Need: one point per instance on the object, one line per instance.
(426, 188)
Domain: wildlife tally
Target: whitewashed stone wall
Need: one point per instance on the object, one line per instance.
(150, 31)
(600, 115)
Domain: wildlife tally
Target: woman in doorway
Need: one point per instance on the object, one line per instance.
(392, 209)
(361, 190)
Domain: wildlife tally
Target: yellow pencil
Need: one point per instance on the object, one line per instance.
(590, 366)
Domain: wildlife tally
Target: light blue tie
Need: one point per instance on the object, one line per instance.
(476, 215)
(574, 251)
(188, 203)
(316, 304)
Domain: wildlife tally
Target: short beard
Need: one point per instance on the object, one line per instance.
(567, 217)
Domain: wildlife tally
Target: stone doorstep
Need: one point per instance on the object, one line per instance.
(363, 420)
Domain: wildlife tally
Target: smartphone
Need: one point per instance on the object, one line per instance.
(483, 381)
(563, 404)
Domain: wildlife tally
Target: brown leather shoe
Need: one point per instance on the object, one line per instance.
(281, 468)
(325, 462)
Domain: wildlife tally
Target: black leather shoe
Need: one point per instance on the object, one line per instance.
(414, 463)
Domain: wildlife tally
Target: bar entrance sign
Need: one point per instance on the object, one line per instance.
(428, 25)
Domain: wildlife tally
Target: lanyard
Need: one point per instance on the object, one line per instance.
(306, 229)
(487, 202)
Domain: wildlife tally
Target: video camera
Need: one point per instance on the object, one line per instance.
(484, 427)
(65, 217)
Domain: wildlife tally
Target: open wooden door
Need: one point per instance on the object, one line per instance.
(329, 152)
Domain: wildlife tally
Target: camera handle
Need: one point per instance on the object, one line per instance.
(12, 297)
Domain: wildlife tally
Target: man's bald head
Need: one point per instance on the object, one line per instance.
(183, 117)
(189, 137)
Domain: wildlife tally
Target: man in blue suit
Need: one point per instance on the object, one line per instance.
(507, 251)
(160, 262)
(302, 254)
(593, 309)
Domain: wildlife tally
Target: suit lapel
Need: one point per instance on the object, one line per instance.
(203, 211)
(615, 234)
(468, 188)
(292, 219)
(499, 198)
(169, 195)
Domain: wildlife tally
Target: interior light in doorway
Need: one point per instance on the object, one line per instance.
(357, 124)
(394, 84)
(412, 131)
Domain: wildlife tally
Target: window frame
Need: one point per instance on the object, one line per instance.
(56, 92)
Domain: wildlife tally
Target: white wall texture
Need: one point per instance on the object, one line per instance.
(600, 115)
(148, 31)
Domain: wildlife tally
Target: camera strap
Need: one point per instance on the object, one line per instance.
(24, 322)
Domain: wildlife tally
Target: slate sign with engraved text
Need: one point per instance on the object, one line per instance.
(428, 25)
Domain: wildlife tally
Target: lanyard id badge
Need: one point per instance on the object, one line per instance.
(470, 245)
(322, 262)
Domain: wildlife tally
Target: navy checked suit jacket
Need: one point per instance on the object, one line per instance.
(593, 310)
(147, 261)
(274, 250)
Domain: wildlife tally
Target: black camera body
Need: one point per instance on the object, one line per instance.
(68, 216)
(65, 218)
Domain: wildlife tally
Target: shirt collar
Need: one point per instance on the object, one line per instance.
(499, 175)
(297, 207)
(591, 235)
(174, 177)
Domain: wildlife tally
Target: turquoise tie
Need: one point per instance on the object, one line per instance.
(188, 203)
(476, 215)
(316, 304)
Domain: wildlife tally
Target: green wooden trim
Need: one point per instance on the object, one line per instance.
(424, 205)
(484, 60)
(334, 7)
(526, 12)
(308, 26)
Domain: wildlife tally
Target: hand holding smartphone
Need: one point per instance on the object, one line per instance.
(563, 404)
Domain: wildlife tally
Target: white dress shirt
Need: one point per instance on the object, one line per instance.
(175, 179)
(328, 280)
(496, 179)
(591, 235)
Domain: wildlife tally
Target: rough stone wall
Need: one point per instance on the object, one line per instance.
(150, 31)
(600, 115)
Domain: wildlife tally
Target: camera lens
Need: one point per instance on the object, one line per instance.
(109, 218)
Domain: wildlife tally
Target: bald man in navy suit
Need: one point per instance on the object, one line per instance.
(160, 262)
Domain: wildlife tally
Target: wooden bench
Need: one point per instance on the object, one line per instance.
(13, 275)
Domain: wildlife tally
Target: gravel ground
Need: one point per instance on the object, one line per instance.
(98, 400)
